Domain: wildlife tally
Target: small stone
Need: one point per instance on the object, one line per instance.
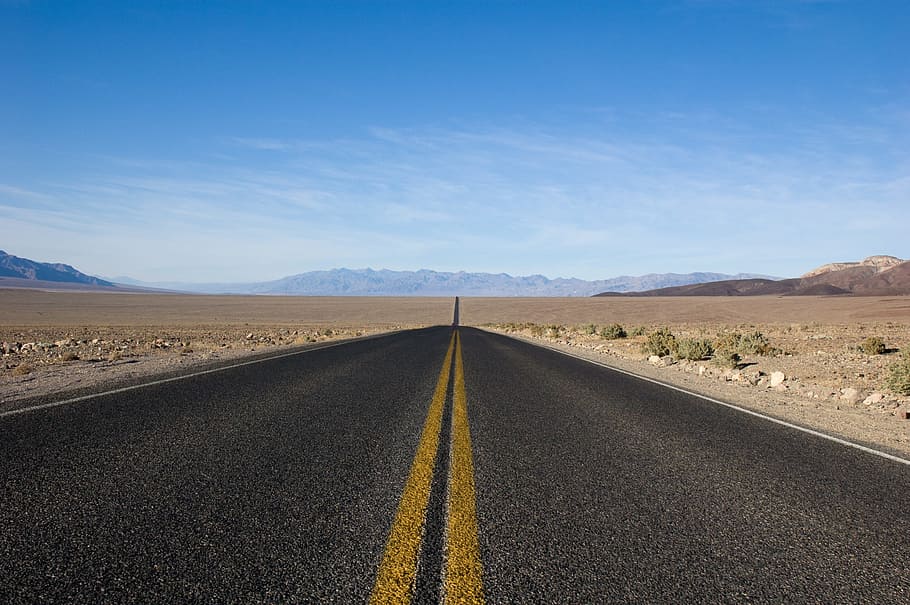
(654, 359)
(850, 394)
(249, 336)
(873, 399)
(777, 379)
(702, 370)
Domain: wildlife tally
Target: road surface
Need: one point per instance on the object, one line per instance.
(420, 465)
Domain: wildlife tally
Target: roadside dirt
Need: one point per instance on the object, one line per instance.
(54, 342)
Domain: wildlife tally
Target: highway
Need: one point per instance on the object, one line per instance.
(443, 463)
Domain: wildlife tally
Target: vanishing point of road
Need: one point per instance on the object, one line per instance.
(445, 464)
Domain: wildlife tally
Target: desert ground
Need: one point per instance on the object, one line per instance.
(55, 343)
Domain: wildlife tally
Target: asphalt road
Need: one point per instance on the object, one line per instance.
(526, 475)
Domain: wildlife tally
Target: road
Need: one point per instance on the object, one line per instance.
(478, 467)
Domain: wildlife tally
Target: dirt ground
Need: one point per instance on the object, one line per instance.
(55, 342)
(705, 310)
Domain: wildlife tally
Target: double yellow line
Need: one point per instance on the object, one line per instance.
(462, 569)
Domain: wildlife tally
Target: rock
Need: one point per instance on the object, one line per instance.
(873, 399)
(64, 343)
(661, 362)
(777, 379)
(849, 394)
(249, 336)
(753, 377)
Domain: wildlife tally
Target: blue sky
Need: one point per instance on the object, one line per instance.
(235, 141)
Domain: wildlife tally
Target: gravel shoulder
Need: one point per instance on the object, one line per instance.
(43, 364)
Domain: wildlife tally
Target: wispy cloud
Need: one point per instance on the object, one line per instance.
(261, 144)
(521, 200)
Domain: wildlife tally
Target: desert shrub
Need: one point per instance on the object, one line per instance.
(873, 345)
(694, 349)
(536, 330)
(660, 342)
(589, 329)
(898, 379)
(638, 331)
(727, 358)
(612, 332)
(69, 356)
(115, 356)
(755, 343)
(751, 343)
(22, 369)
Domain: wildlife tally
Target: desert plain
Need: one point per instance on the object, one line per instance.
(57, 344)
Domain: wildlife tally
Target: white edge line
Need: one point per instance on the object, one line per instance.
(863, 448)
(54, 404)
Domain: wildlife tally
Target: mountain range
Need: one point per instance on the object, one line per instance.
(383, 282)
(23, 268)
(874, 276)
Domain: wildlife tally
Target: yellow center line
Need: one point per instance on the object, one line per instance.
(398, 569)
(463, 570)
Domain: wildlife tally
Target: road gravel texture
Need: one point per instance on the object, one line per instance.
(279, 481)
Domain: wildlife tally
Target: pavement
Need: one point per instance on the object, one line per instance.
(425, 465)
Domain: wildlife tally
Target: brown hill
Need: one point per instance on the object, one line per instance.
(874, 276)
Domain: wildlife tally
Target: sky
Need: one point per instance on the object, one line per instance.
(243, 141)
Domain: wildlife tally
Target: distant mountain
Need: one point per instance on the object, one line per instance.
(873, 276)
(370, 282)
(25, 269)
(361, 282)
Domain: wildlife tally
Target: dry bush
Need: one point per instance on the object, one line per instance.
(613, 332)
(727, 359)
(694, 349)
(660, 342)
(874, 345)
(751, 343)
(898, 379)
